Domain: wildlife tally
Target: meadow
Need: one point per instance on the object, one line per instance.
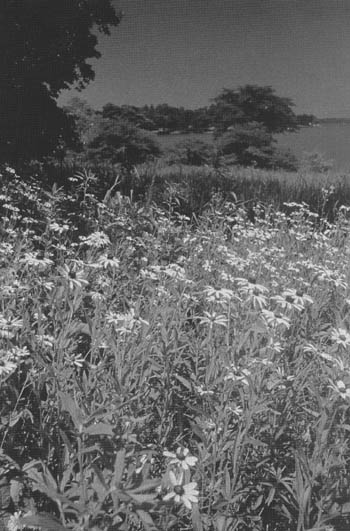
(176, 359)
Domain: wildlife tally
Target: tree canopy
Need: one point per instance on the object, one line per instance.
(121, 142)
(252, 103)
(45, 46)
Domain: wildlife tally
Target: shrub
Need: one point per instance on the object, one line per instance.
(195, 153)
(121, 142)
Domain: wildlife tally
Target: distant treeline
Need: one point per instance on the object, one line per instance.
(334, 120)
(164, 118)
(243, 120)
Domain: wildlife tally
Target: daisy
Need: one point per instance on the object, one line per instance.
(186, 494)
(181, 458)
(212, 319)
(109, 260)
(340, 336)
(73, 278)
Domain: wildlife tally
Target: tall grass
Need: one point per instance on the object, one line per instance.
(158, 374)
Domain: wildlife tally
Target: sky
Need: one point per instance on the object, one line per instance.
(184, 52)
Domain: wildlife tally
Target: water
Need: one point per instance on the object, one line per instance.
(332, 140)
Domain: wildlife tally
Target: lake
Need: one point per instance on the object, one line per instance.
(332, 140)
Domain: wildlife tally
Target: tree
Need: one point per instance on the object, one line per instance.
(122, 142)
(252, 103)
(246, 144)
(86, 120)
(45, 46)
(306, 120)
(195, 153)
(253, 145)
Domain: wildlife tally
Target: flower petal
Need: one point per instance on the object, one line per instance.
(186, 502)
(169, 454)
(169, 496)
(173, 478)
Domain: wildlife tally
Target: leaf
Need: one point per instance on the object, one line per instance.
(99, 429)
(141, 498)
(146, 485)
(255, 442)
(184, 382)
(119, 467)
(68, 404)
(146, 519)
(196, 518)
(41, 521)
(5, 496)
(227, 484)
(221, 522)
(16, 488)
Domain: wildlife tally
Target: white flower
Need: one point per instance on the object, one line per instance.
(221, 295)
(109, 261)
(32, 259)
(340, 388)
(97, 239)
(238, 375)
(288, 301)
(275, 319)
(340, 336)
(9, 327)
(186, 494)
(250, 286)
(73, 277)
(7, 366)
(212, 319)
(181, 458)
(13, 523)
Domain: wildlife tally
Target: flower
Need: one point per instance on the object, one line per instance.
(108, 260)
(222, 295)
(97, 239)
(341, 337)
(340, 388)
(275, 319)
(73, 278)
(292, 299)
(14, 522)
(248, 286)
(212, 319)
(238, 375)
(33, 259)
(7, 366)
(9, 326)
(186, 494)
(181, 458)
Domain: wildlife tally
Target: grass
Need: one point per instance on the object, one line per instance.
(163, 373)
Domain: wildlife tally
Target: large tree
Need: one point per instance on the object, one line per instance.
(45, 45)
(252, 103)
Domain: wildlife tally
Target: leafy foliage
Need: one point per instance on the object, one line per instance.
(47, 45)
(121, 142)
(252, 103)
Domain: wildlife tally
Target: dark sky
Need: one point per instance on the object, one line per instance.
(183, 52)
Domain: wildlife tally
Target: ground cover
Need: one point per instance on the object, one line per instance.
(162, 372)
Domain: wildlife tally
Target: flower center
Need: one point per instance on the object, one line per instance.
(290, 299)
(179, 490)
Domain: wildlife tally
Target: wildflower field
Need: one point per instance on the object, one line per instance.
(165, 373)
